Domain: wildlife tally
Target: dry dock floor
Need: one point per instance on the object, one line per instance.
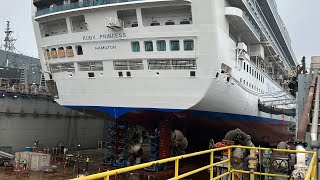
(67, 172)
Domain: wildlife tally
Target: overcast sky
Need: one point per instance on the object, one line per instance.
(300, 16)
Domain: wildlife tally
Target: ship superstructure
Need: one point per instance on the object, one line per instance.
(207, 63)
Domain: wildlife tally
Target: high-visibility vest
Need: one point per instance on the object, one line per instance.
(87, 160)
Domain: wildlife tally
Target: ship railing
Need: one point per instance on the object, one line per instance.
(282, 25)
(231, 172)
(273, 6)
(252, 27)
(256, 11)
(275, 41)
(77, 5)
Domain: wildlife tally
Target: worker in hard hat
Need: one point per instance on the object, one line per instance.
(25, 163)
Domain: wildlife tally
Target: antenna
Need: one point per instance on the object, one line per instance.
(9, 41)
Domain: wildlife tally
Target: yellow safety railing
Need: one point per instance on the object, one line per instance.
(311, 173)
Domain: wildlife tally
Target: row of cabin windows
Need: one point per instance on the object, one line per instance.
(253, 72)
(61, 53)
(188, 45)
(246, 83)
(155, 23)
(169, 22)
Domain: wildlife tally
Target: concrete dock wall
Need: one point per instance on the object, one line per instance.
(24, 119)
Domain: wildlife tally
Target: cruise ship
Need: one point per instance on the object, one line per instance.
(204, 67)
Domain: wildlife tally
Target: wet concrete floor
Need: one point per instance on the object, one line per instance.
(67, 172)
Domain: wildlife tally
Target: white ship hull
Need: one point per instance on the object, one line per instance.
(217, 84)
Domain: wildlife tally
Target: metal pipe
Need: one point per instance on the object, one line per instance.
(314, 127)
(315, 118)
(304, 120)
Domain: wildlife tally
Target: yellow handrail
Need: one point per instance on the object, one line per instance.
(312, 168)
(311, 173)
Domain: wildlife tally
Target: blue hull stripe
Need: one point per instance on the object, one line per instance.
(117, 112)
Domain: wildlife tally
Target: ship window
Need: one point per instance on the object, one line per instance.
(170, 22)
(128, 74)
(120, 74)
(217, 75)
(188, 45)
(244, 82)
(61, 52)
(240, 80)
(79, 50)
(250, 71)
(161, 45)
(184, 64)
(192, 74)
(148, 46)
(48, 54)
(134, 24)
(91, 74)
(155, 24)
(63, 67)
(244, 65)
(247, 68)
(175, 45)
(120, 65)
(185, 22)
(54, 53)
(135, 46)
(128, 65)
(90, 66)
(135, 65)
(69, 51)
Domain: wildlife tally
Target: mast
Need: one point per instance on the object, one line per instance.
(9, 41)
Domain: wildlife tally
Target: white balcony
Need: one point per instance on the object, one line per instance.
(242, 24)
